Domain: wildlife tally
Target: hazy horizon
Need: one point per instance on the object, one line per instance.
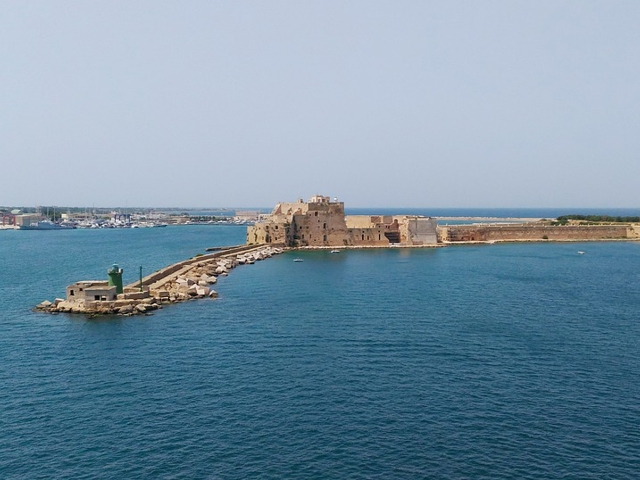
(574, 209)
(411, 104)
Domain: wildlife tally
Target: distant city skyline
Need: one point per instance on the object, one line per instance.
(382, 104)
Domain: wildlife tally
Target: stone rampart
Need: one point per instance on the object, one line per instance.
(498, 233)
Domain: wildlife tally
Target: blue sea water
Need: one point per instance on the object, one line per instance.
(488, 362)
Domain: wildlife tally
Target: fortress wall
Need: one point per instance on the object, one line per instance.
(321, 225)
(373, 236)
(358, 221)
(274, 233)
(633, 231)
(478, 233)
(418, 230)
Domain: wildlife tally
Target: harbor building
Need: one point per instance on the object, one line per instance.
(89, 291)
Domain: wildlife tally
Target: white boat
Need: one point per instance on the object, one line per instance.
(335, 251)
(580, 252)
(297, 260)
(45, 225)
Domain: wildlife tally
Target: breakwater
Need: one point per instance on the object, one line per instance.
(186, 280)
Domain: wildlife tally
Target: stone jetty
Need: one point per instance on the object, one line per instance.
(187, 280)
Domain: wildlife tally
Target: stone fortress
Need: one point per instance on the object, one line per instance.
(321, 222)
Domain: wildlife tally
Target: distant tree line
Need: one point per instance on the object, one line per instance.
(564, 219)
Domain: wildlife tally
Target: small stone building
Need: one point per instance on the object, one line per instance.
(90, 291)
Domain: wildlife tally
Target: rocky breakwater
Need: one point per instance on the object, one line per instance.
(184, 281)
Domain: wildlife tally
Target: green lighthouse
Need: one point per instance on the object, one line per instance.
(115, 277)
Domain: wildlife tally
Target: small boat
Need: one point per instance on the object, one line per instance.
(45, 225)
(335, 251)
(580, 252)
(297, 260)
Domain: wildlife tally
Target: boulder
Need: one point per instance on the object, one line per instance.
(141, 308)
(202, 291)
(213, 294)
(44, 305)
(65, 306)
(193, 291)
(122, 303)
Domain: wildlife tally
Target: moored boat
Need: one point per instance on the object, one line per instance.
(45, 225)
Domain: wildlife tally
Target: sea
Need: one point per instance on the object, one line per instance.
(504, 361)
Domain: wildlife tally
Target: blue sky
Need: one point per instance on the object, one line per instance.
(247, 103)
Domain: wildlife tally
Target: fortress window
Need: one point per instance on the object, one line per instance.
(324, 225)
(324, 237)
(363, 236)
(71, 294)
(316, 214)
(96, 297)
